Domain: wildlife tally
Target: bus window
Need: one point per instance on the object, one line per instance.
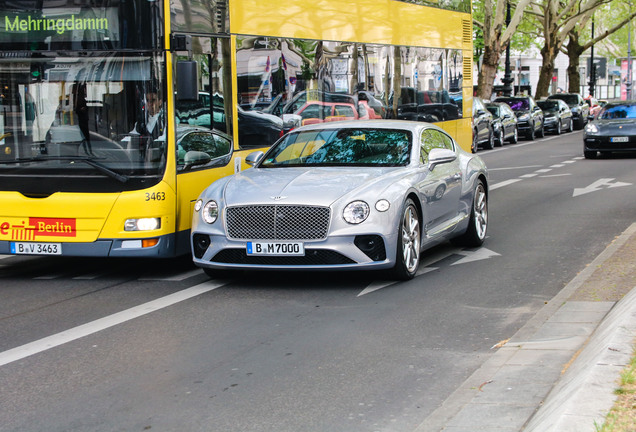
(110, 108)
(211, 109)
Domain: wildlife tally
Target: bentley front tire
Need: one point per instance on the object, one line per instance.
(408, 243)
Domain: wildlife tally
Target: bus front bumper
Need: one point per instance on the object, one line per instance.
(164, 247)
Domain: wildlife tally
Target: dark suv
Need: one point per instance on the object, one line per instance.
(529, 115)
(580, 109)
(482, 126)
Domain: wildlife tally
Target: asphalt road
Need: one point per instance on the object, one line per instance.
(135, 345)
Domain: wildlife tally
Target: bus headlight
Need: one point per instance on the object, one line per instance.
(142, 224)
(210, 212)
(198, 205)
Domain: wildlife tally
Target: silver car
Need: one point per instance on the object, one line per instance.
(345, 195)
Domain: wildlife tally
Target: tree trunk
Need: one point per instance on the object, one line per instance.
(574, 51)
(485, 80)
(546, 72)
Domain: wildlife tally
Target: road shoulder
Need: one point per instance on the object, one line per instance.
(573, 347)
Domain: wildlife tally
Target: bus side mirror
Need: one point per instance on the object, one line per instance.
(187, 79)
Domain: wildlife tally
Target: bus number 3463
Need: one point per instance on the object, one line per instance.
(155, 196)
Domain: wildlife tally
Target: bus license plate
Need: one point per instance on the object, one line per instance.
(276, 248)
(619, 139)
(36, 248)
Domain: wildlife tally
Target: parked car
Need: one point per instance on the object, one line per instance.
(613, 130)
(483, 134)
(357, 195)
(256, 106)
(256, 128)
(365, 112)
(580, 108)
(425, 106)
(318, 112)
(279, 107)
(557, 116)
(504, 123)
(529, 115)
(375, 103)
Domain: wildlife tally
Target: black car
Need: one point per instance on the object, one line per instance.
(529, 115)
(613, 130)
(580, 108)
(557, 116)
(504, 123)
(482, 126)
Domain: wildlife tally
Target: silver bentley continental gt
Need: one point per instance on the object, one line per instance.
(344, 196)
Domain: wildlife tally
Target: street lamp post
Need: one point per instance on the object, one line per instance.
(628, 83)
(592, 65)
(507, 79)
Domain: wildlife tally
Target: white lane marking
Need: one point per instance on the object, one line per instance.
(568, 162)
(545, 170)
(177, 277)
(557, 166)
(49, 276)
(72, 334)
(374, 286)
(514, 168)
(529, 175)
(90, 276)
(504, 183)
(556, 175)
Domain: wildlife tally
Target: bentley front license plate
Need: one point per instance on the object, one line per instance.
(36, 248)
(276, 248)
(619, 139)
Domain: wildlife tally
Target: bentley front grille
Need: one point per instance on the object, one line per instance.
(277, 222)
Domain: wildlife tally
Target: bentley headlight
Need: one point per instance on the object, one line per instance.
(356, 212)
(591, 128)
(524, 117)
(210, 212)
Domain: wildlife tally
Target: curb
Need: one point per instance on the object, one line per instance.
(584, 395)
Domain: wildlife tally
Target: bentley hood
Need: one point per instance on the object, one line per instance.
(317, 186)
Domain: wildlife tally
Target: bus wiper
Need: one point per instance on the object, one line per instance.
(97, 165)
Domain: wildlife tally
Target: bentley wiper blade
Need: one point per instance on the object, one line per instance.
(87, 160)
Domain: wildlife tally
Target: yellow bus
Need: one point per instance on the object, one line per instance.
(116, 114)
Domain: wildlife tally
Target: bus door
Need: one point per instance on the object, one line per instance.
(203, 118)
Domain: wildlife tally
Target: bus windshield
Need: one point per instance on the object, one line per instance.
(56, 112)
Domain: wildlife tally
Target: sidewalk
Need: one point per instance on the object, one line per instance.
(558, 372)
